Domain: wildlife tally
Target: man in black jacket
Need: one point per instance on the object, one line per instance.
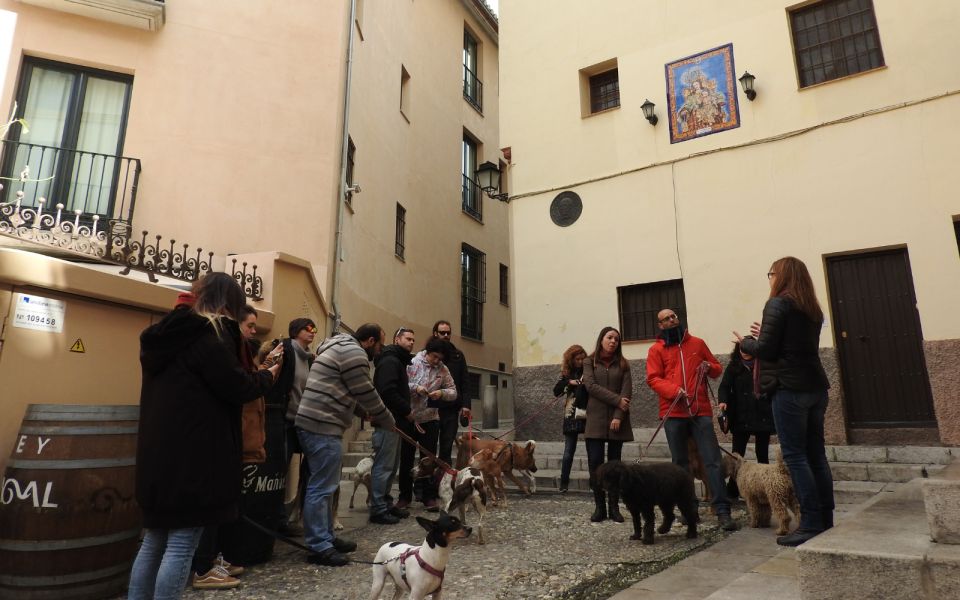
(390, 380)
(449, 415)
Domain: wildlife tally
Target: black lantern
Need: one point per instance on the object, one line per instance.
(746, 82)
(488, 179)
(648, 114)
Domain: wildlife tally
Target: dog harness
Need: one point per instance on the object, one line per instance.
(415, 552)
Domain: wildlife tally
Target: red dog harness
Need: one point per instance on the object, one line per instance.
(415, 552)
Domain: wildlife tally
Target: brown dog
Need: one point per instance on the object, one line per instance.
(699, 470)
(490, 463)
(520, 458)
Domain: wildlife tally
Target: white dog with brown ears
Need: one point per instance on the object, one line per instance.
(418, 569)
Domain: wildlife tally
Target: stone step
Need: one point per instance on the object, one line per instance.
(883, 551)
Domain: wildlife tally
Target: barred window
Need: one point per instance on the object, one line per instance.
(504, 285)
(639, 305)
(834, 39)
(351, 157)
(472, 291)
(399, 244)
(605, 91)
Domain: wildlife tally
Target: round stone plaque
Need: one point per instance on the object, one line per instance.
(566, 208)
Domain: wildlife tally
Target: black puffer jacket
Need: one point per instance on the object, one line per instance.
(747, 412)
(390, 379)
(457, 365)
(789, 345)
(189, 445)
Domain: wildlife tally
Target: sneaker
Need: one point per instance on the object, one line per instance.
(384, 519)
(728, 524)
(216, 578)
(432, 506)
(328, 558)
(344, 546)
(402, 503)
(400, 513)
(232, 570)
(563, 490)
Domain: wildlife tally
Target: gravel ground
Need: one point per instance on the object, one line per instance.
(540, 547)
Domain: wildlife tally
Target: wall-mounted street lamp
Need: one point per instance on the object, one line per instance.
(488, 178)
(648, 113)
(746, 82)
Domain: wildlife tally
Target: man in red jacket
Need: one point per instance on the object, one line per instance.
(678, 365)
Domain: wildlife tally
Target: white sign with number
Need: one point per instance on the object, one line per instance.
(39, 313)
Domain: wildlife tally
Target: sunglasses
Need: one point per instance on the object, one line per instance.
(310, 329)
(444, 333)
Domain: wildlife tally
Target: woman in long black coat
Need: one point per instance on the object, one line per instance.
(189, 445)
(748, 409)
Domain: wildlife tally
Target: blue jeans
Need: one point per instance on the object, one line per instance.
(701, 428)
(162, 566)
(569, 450)
(799, 420)
(386, 447)
(323, 454)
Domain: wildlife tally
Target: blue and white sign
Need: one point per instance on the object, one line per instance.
(39, 313)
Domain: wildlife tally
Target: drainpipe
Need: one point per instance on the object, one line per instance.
(342, 187)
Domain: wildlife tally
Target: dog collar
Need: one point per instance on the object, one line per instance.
(415, 552)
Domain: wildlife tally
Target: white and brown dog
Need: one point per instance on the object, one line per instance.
(418, 569)
(359, 476)
(457, 489)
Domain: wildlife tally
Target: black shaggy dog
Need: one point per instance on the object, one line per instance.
(643, 486)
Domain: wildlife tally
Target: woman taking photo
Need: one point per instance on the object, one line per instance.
(748, 410)
(570, 384)
(606, 377)
(189, 445)
(789, 340)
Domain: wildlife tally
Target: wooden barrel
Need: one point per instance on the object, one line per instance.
(69, 524)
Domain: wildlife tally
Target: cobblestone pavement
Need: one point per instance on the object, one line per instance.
(538, 547)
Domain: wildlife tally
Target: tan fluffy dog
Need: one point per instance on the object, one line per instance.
(766, 489)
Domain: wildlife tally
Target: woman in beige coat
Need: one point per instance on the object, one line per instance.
(606, 376)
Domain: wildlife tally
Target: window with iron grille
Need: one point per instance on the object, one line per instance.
(470, 196)
(504, 285)
(472, 87)
(956, 231)
(834, 39)
(399, 243)
(404, 92)
(473, 386)
(351, 156)
(639, 305)
(473, 292)
(605, 91)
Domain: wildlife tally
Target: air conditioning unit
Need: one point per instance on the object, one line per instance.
(142, 14)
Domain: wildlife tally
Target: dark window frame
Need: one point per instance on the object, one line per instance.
(604, 90)
(351, 166)
(638, 305)
(404, 92)
(471, 196)
(834, 39)
(473, 291)
(400, 233)
(504, 285)
(472, 86)
(956, 231)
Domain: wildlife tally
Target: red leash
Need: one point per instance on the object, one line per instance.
(447, 468)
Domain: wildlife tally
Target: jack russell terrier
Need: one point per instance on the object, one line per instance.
(457, 489)
(418, 569)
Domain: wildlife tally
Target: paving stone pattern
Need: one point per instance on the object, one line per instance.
(539, 547)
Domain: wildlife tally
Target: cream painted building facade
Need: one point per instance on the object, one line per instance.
(852, 172)
(222, 126)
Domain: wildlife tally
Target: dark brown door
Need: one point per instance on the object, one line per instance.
(877, 330)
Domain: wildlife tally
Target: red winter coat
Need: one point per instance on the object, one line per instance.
(665, 376)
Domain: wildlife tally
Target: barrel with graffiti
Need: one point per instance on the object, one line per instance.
(69, 524)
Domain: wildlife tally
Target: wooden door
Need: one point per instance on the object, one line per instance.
(877, 330)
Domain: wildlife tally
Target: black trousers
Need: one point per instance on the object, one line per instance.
(449, 423)
(762, 447)
(428, 439)
(595, 448)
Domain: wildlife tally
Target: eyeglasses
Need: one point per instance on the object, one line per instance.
(668, 318)
(444, 333)
(770, 275)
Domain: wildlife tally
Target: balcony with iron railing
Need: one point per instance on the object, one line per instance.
(76, 202)
(472, 88)
(471, 198)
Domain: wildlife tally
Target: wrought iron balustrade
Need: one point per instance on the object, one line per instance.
(472, 199)
(472, 88)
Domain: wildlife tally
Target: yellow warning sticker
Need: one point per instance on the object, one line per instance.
(78, 346)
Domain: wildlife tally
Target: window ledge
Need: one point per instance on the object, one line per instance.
(473, 216)
(601, 112)
(141, 14)
(471, 339)
(400, 258)
(405, 117)
(844, 78)
(473, 104)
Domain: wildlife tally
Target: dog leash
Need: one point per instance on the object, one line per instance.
(278, 536)
(526, 420)
(446, 467)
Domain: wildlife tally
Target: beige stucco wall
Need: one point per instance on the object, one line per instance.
(877, 181)
(414, 159)
(235, 115)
